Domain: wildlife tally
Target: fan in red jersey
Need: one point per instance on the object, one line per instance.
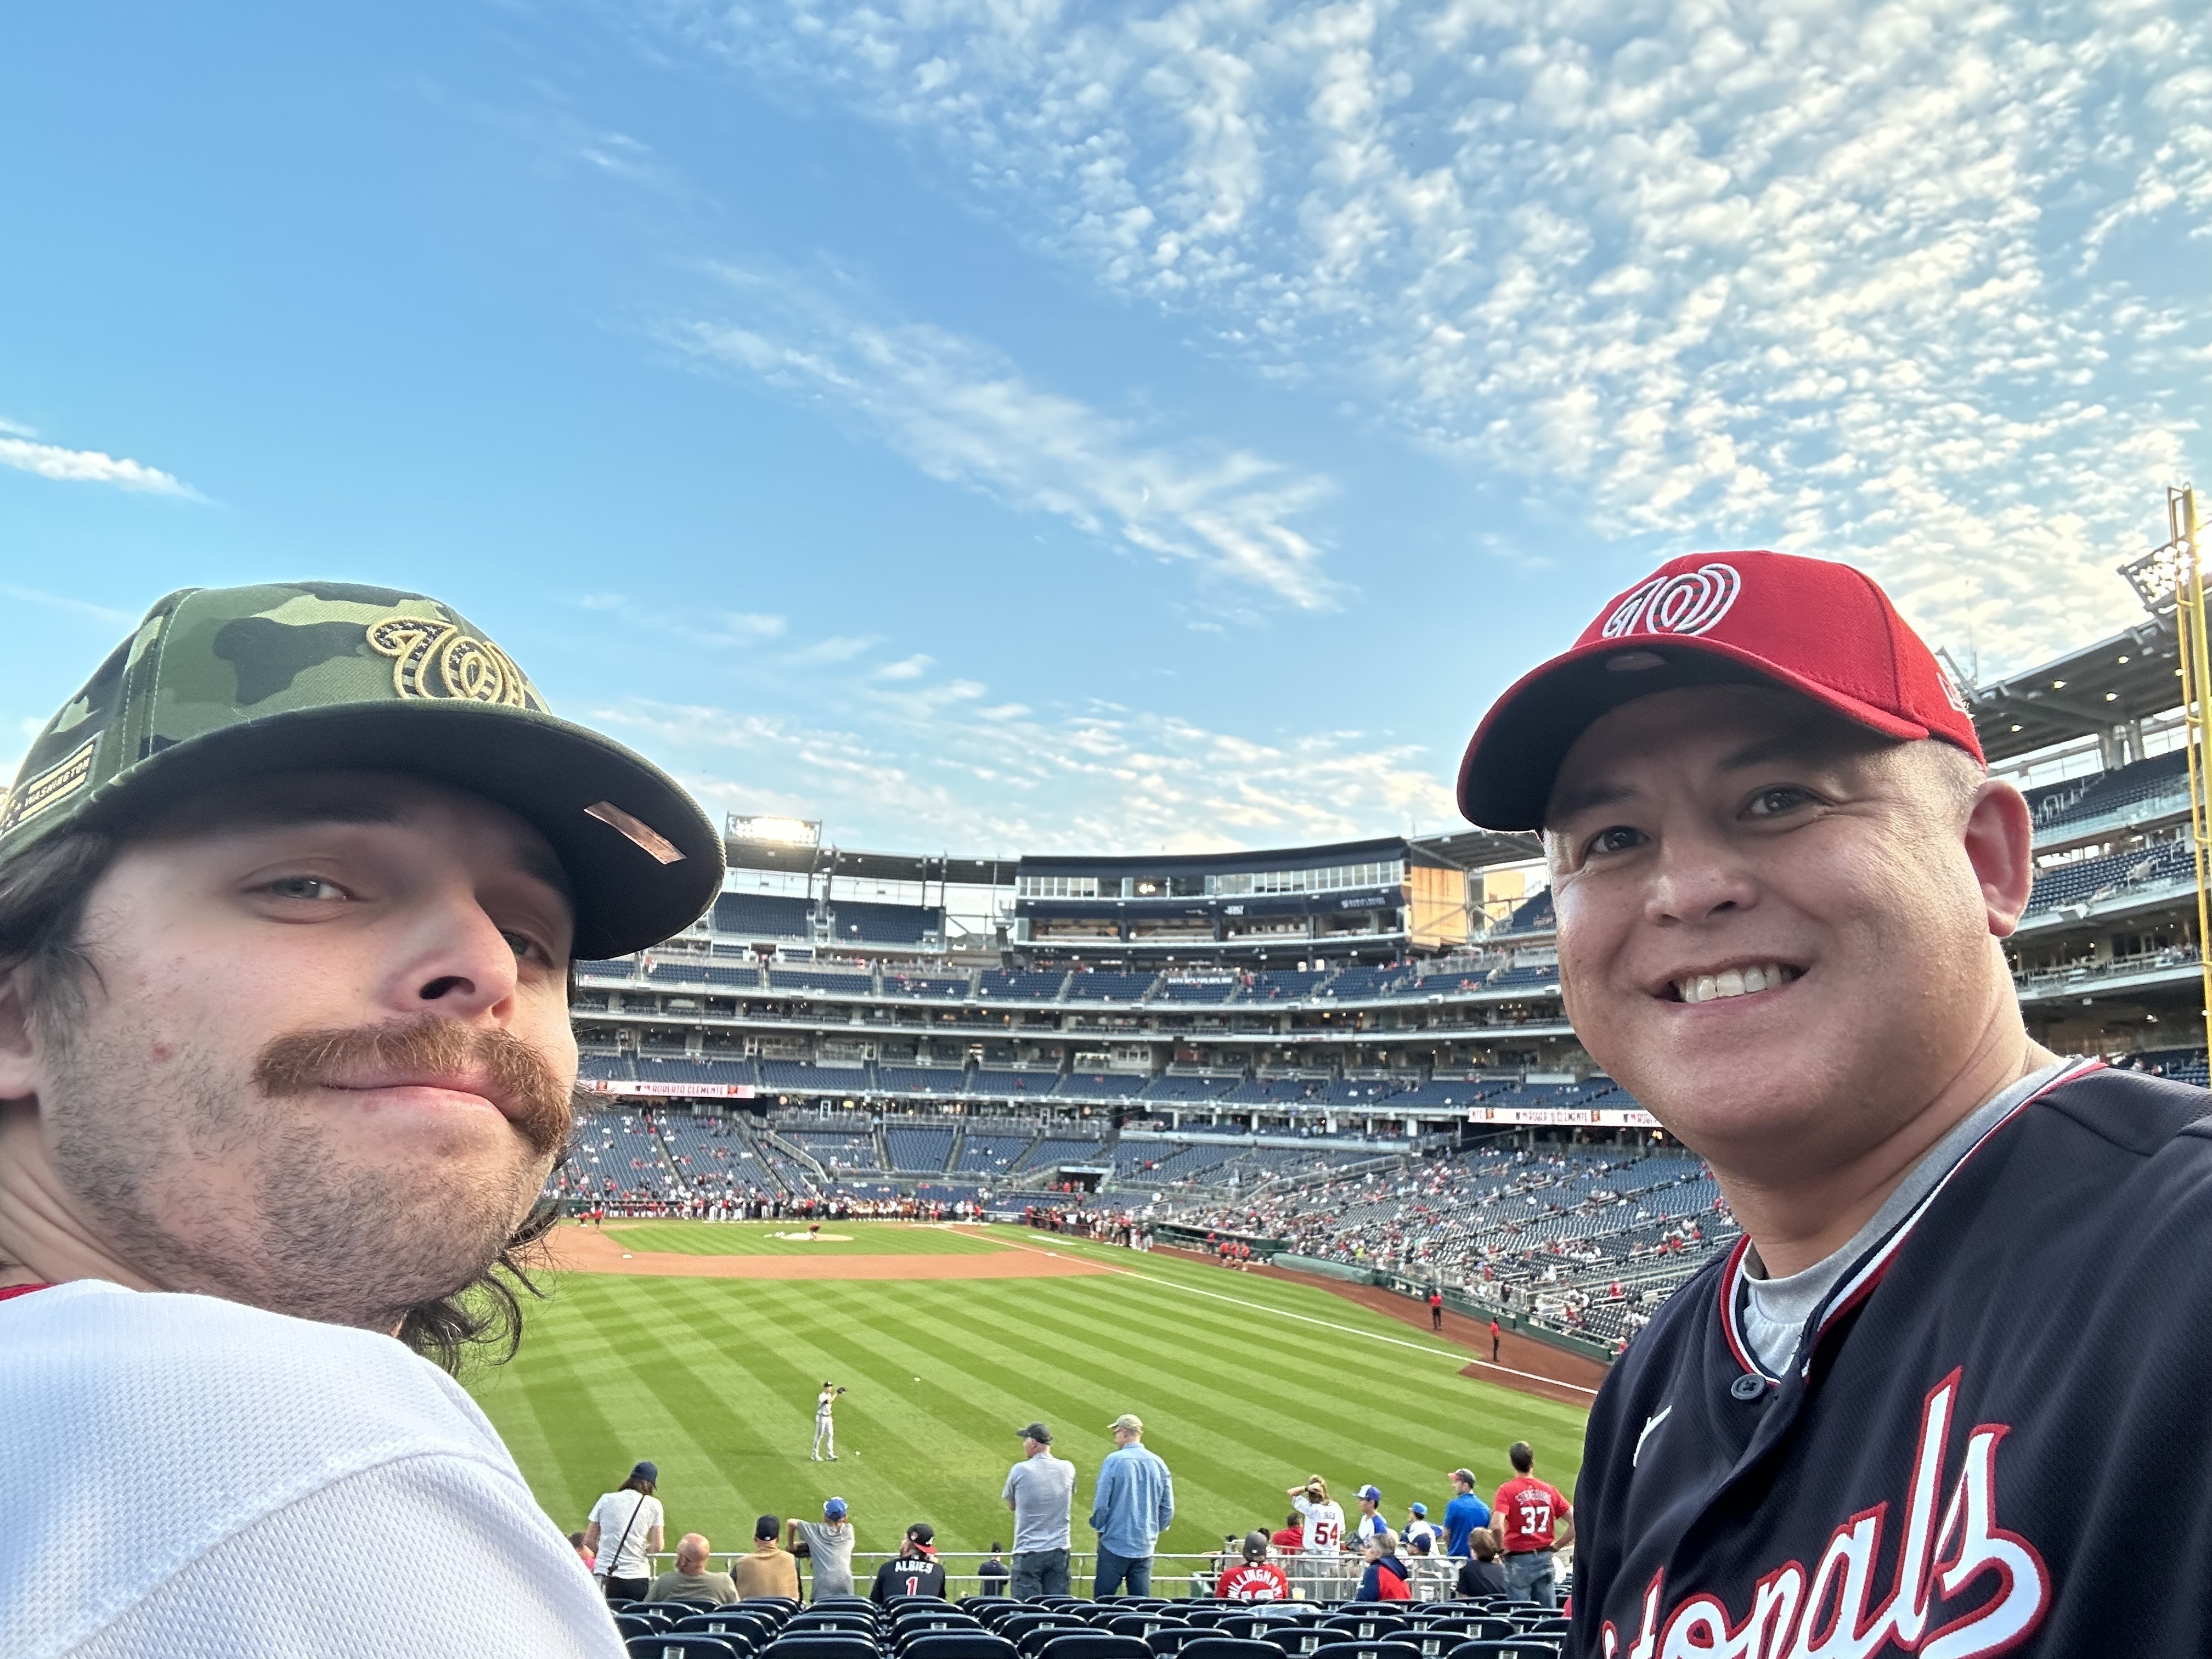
(1256, 1578)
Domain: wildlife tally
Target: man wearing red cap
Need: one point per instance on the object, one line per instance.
(1781, 878)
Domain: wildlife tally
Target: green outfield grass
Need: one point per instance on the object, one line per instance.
(1246, 1384)
(763, 1238)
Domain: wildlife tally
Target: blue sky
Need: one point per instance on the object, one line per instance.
(1012, 426)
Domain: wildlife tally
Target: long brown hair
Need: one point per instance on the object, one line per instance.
(43, 891)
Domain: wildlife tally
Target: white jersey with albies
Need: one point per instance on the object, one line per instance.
(1323, 1524)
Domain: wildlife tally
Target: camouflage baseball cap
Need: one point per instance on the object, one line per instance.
(223, 683)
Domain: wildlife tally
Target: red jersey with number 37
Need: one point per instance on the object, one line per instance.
(1528, 1510)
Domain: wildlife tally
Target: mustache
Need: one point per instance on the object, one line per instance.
(540, 1105)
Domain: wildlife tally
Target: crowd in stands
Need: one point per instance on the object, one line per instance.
(1498, 1559)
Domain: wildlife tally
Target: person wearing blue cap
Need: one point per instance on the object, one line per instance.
(625, 1532)
(827, 1545)
(1371, 1521)
(1418, 1526)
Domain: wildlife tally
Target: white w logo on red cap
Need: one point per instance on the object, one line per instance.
(1688, 602)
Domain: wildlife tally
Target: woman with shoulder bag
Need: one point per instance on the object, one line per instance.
(625, 1531)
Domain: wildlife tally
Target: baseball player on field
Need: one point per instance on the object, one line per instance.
(825, 1428)
(1945, 1396)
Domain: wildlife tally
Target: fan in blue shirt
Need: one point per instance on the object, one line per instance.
(1464, 1514)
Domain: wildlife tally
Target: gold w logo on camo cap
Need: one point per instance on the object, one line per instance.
(218, 683)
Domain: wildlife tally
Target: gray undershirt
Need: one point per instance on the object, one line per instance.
(1775, 1310)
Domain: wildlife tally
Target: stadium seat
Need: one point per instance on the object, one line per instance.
(1556, 1626)
(1367, 1624)
(1509, 1647)
(1094, 1644)
(913, 1618)
(670, 1644)
(627, 1624)
(1167, 1641)
(1019, 1623)
(1139, 1623)
(817, 1619)
(957, 1645)
(1229, 1647)
(1376, 1650)
(674, 1609)
(1032, 1640)
(825, 1644)
(753, 1632)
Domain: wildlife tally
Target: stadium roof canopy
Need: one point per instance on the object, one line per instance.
(798, 859)
(2086, 693)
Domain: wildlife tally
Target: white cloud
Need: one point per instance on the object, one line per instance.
(964, 414)
(907, 668)
(905, 770)
(99, 613)
(707, 628)
(87, 466)
(1909, 282)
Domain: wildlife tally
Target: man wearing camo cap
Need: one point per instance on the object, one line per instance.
(289, 895)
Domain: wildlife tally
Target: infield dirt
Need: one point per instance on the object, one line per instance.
(574, 1249)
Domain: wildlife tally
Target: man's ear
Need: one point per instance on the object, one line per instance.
(2000, 845)
(18, 1052)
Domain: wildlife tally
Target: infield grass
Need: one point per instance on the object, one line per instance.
(1246, 1386)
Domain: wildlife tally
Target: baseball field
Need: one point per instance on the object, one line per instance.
(702, 1347)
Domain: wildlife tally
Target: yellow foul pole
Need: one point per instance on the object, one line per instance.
(2196, 653)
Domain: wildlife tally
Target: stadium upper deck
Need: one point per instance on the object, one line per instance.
(1398, 985)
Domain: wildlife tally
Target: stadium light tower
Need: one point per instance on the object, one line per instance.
(2173, 577)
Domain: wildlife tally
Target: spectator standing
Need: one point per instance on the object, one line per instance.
(770, 1570)
(1435, 1307)
(994, 1575)
(1370, 1520)
(1255, 1579)
(1497, 1336)
(829, 1548)
(1321, 1517)
(1041, 1492)
(1385, 1578)
(1528, 1510)
(1465, 1514)
(689, 1581)
(1134, 1503)
(915, 1571)
(230, 1195)
(625, 1532)
(576, 1543)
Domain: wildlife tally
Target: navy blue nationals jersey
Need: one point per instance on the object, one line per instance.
(1994, 1437)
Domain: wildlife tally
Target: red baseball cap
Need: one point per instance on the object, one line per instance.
(1813, 626)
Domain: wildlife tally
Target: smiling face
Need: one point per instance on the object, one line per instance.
(325, 1063)
(1777, 930)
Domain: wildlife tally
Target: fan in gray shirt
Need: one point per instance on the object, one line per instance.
(828, 1549)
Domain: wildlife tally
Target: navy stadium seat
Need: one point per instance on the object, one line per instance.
(673, 1644)
(1168, 1640)
(1032, 1640)
(753, 1632)
(826, 1645)
(628, 1624)
(957, 1645)
(1094, 1644)
(1378, 1649)
(1365, 1625)
(1229, 1647)
(1509, 1647)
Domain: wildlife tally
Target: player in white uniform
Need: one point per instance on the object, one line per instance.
(825, 1431)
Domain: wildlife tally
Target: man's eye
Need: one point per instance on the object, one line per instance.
(525, 946)
(313, 888)
(1772, 803)
(1618, 839)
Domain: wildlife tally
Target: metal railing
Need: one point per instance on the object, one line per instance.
(1313, 1578)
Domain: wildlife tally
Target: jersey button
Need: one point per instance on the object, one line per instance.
(1748, 1387)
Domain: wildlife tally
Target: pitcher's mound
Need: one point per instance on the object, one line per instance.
(815, 1238)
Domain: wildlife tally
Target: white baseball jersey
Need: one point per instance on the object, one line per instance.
(1323, 1524)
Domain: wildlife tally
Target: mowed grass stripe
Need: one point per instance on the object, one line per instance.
(716, 1378)
(750, 1239)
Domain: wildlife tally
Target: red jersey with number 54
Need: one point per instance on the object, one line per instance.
(1528, 1510)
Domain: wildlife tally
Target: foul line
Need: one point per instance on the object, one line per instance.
(1459, 1354)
